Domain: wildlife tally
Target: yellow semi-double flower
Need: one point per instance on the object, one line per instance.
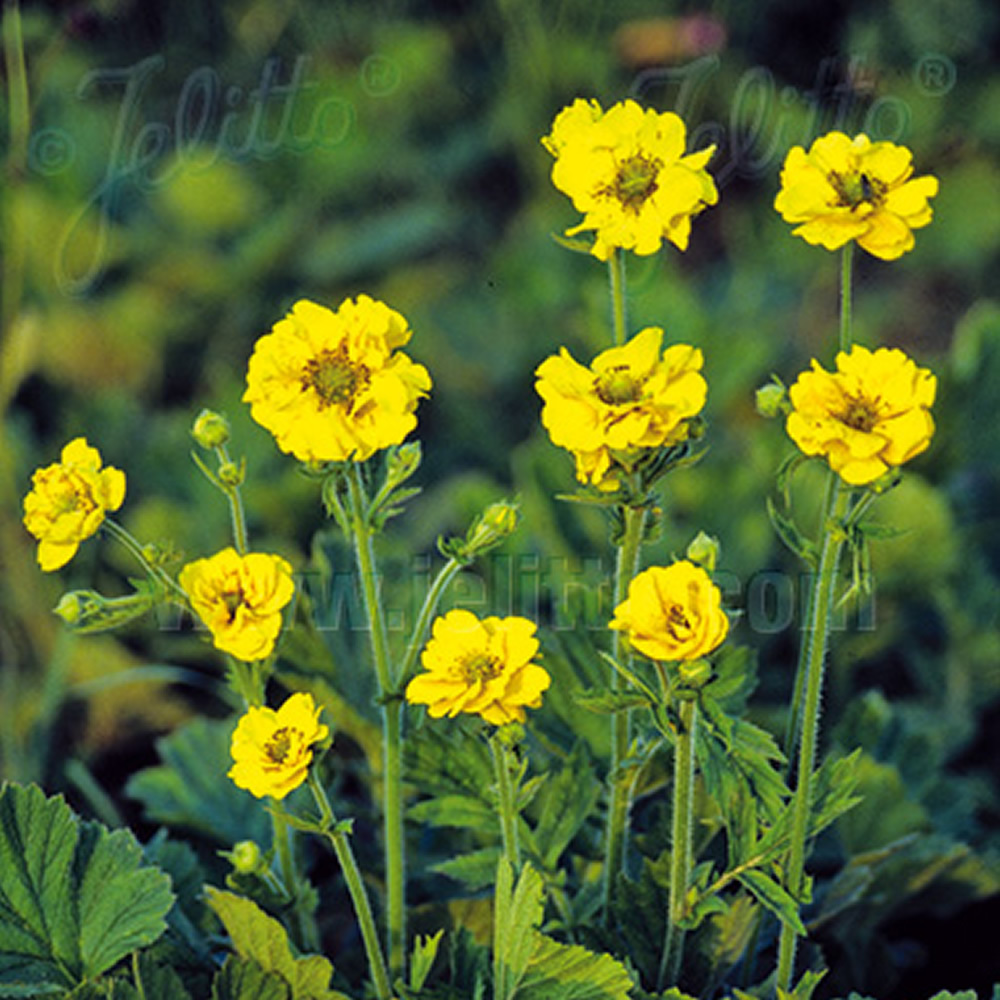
(673, 613)
(69, 500)
(626, 171)
(332, 386)
(240, 599)
(846, 189)
(631, 399)
(483, 667)
(871, 414)
(272, 750)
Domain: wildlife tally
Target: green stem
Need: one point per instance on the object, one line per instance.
(392, 729)
(235, 499)
(446, 574)
(355, 886)
(619, 307)
(19, 127)
(308, 936)
(506, 792)
(129, 541)
(811, 668)
(680, 854)
(619, 800)
(846, 273)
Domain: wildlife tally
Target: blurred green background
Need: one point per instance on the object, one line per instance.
(189, 171)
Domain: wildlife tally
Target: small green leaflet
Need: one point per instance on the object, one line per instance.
(527, 965)
(260, 938)
(74, 897)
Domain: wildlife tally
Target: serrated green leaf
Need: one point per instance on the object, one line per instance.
(244, 979)
(732, 930)
(159, 982)
(566, 800)
(517, 914)
(459, 811)
(422, 958)
(74, 897)
(569, 972)
(261, 938)
(787, 530)
(476, 869)
(770, 895)
(610, 702)
(190, 789)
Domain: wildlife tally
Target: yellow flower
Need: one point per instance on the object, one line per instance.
(68, 502)
(626, 171)
(240, 599)
(871, 414)
(272, 749)
(854, 189)
(331, 386)
(673, 613)
(482, 667)
(630, 399)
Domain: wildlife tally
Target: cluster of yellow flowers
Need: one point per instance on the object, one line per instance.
(334, 386)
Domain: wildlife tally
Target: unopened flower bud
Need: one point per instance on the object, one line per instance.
(247, 858)
(496, 523)
(231, 474)
(403, 462)
(704, 550)
(210, 430)
(69, 608)
(772, 400)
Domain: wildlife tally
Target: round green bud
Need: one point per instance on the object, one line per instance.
(772, 400)
(231, 474)
(247, 858)
(70, 608)
(704, 550)
(210, 430)
(695, 674)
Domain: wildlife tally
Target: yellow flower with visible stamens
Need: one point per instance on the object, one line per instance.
(69, 500)
(673, 613)
(626, 171)
(854, 189)
(483, 667)
(240, 599)
(870, 415)
(631, 399)
(272, 750)
(332, 386)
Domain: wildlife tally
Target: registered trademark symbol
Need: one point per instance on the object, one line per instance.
(935, 74)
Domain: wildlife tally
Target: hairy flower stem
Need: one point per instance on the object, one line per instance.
(355, 886)
(680, 850)
(620, 785)
(811, 669)
(619, 306)
(392, 729)
(446, 574)
(503, 766)
(232, 491)
(846, 272)
(126, 538)
(305, 925)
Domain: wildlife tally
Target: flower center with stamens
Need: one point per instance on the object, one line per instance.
(232, 599)
(859, 414)
(279, 745)
(617, 386)
(334, 378)
(636, 181)
(678, 623)
(480, 667)
(854, 190)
